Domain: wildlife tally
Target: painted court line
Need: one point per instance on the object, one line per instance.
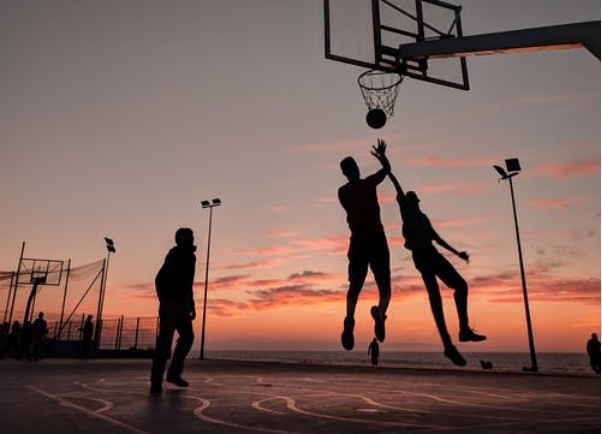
(90, 413)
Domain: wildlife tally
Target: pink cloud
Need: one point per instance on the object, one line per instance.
(270, 263)
(459, 222)
(268, 251)
(458, 188)
(558, 202)
(334, 245)
(440, 162)
(569, 170)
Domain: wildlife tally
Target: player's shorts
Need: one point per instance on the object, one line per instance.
(369, 251)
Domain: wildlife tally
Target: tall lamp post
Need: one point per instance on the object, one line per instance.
(103, 286)
(513, 169)
(206, 204)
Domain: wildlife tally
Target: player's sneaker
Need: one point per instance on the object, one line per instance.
(177, 380)
(347, 338)
(468, 335)
(379, 323)
(454, 355)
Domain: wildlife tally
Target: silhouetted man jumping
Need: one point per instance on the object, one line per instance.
(176, 310)
(419, 236)
(368, 243)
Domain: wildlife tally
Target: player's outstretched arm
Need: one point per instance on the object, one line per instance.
(445, 245)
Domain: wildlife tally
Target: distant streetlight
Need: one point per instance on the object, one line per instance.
(103, 286)
(512, 169)
(206, 204)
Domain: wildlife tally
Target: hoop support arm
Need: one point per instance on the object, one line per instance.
(566, 36)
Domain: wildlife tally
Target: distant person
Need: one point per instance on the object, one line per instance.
(25, 335)
(487, 365)
(374, 351)
(419, 236)
(368, 243)
(87, 331)
(176, 310)
(593, 350)
(39, 331)
(13, 342)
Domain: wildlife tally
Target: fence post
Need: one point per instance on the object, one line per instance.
(117, 333)
(121, 331)
(137, 330)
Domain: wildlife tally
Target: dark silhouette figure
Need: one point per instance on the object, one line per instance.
(39, 331)
(593, 350)
(419, 236)
(487, 365)
(87, 331)
(26, 335)
(13, 342)
(374, 351)
(176, 310)
(368, 243)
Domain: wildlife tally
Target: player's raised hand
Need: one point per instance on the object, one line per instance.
(379, 149)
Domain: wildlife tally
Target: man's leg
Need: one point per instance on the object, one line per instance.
(424, 264)
(162, 349)
(450, 276)
(380, 264)
(183, 346)
(432, 288)
(358, 269)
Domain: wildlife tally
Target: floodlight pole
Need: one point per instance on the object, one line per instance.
(103, 285)
(64, 299)
(206, 204)
(8, 296)
(12, 306)
(533, 367)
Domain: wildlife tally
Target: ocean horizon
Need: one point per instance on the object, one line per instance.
(551, 363)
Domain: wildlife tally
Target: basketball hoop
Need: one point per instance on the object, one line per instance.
(379, 90)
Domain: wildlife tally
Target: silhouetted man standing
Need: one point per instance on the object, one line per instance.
(87, 331)
(419, 236)
(593, 350)
(368, 243)
(176, 310)
(38, 336)
(374, 351)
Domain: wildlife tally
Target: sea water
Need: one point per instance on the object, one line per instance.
(552, 363)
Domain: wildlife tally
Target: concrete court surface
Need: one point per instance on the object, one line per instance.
(112, 397)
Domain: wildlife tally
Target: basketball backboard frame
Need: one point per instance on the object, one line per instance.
(40, 271)
(371, 34)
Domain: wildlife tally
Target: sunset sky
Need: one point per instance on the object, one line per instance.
(118, 117)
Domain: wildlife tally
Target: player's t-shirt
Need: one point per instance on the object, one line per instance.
(360, 201)
(416, 229)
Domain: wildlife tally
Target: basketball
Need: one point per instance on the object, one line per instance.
(376, 118)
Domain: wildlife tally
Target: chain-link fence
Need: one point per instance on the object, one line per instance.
(115, 335)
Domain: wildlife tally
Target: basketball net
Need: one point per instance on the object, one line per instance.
(380, 89)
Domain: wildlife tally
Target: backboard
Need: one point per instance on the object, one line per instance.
(371, 34)
(41, 271)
